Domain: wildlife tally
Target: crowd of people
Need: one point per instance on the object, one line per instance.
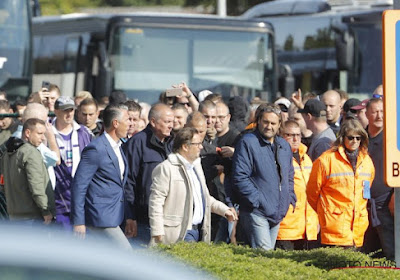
(299, 173)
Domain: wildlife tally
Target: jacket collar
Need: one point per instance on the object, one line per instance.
(302, 150)
(277, 139)
(361, 155)
(176, 159)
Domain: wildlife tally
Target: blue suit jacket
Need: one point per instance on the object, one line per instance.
(97, 188)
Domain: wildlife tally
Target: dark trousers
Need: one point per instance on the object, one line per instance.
(382, 236)
(386, 231)
(290, 245)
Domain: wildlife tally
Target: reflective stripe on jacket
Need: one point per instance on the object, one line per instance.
(336, 193)
(303, 222)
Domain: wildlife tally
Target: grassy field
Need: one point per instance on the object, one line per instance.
(237, 262)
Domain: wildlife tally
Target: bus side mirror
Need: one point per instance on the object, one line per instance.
(286, 80)
(345, 45)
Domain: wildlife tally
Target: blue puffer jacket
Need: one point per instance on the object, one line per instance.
(259, 186)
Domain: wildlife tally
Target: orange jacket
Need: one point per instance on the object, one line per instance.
(303, 222)
(336, 193)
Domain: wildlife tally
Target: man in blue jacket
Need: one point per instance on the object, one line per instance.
(98, 186)
(263, 178)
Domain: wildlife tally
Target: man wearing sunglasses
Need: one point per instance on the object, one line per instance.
(263, 178)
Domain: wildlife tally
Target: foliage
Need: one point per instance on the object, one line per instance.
(51, 7)
(237, 262)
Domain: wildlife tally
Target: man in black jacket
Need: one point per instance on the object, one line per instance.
(144, 151)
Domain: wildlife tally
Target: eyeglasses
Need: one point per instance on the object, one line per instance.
(351, 138)
(185, 103)
(293, 135)
(377, 96)
(222, 118)
(196, 144)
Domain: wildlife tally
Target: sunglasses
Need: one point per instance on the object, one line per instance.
(270, 109)
(377, 96)
(351, 138)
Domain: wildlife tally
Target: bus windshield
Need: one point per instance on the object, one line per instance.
(15, 46)
(146, 61)
(367, 74)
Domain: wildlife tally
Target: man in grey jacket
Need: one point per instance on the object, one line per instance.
(180, 205)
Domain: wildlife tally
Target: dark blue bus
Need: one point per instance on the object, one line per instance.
(15, 48)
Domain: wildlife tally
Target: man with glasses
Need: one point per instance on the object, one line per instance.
(263, 178)
(300, 225)
(226, 137)
(180, 205)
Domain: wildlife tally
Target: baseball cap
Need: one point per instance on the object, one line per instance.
(64, 103)
(350, 103)
(360, 106)
(314, 107)
(283, 103)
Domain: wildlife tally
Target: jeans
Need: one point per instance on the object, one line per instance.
(259, 233)
(192, 235)
(222, 232)
(142, 239)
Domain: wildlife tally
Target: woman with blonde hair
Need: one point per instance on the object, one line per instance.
(339, 187)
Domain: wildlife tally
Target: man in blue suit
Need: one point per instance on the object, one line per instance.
(98, 186)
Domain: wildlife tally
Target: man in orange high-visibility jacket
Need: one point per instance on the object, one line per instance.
(339, 187)
(300, 224)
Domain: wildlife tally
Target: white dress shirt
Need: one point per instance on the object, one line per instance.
(116, 147)
(198, 212)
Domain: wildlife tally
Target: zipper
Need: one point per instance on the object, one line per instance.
(65, 204)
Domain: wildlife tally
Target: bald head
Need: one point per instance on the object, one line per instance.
(35, 111)
(332, 101)
(198, 121)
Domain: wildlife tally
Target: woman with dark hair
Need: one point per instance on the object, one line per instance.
(339, 187)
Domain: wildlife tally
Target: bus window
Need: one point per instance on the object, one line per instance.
(71, 54)
(15, 47)
(149, 60)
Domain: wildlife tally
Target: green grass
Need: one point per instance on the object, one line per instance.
(237, 262)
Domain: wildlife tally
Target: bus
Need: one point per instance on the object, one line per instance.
(15, 48)
(144, 54)
(327, 44)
